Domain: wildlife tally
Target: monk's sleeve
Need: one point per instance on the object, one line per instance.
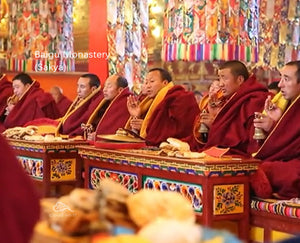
(173, 118)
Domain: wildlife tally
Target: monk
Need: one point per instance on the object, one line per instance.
(230, 123)
(5, 92)
(111, 113)
(279, 174)
(62, 102)
(170, 114)
(19, 201)
(213, 89)
(89, 95)
(29, 102)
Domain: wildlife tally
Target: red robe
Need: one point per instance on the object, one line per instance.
(116, 114)
(233, 126)
(19, 203)
(281, 155)
(5, 92)
(173, 117)
(34, 104)
(74, 117)
(63, 105)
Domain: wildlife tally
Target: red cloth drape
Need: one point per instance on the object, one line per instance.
(19, 202)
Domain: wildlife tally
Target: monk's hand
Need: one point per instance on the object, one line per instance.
(206, 118)
(136, 124)
(263, 122)
(272, 110)
(133, 106)
(10, 107)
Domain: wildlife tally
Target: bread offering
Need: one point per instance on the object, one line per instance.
(86, 211)
(179, 145)
(174, 147)
(148, 205)
(76, 213)
(20, 132)
(114, 197)
(29, 133)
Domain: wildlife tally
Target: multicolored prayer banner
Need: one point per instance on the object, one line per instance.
(127, 32)
(40, 36)
(279, 39)
(262, 32)
(210, 30)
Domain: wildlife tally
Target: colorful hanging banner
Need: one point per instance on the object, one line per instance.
(210, 30)
(127, 32)
(263, 32)
(40, 36)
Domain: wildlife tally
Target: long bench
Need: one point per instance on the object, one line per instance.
(273, 220)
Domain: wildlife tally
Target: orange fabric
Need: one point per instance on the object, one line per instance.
(97, 38)
(203, 103)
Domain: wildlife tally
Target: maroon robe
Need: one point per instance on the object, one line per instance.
(35, 103)
(71, 122)
(19, 203)
(233, 126)
(116, 114)
(5, 92)
(281, 155)
(173, 117)
(63, 105)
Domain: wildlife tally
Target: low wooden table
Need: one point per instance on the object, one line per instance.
(50, 164)
(217, 188)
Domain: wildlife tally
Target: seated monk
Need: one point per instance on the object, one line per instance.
(171, 113)
(230, 123)
(279, 174)
(89, 95)
(20, 208)
(213, 89)
(29, 102)
(111, 113)
(62, 102)
(5, 92)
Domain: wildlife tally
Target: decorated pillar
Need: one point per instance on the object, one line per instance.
(98, 38)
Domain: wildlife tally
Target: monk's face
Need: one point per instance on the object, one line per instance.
(84, 88)
(214, 87)
(229, 83)
(56, 94)
(288, 84)
(19, 88)
(154, 83)
(111, 89)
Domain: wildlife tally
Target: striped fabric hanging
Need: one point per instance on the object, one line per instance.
(221, 30)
